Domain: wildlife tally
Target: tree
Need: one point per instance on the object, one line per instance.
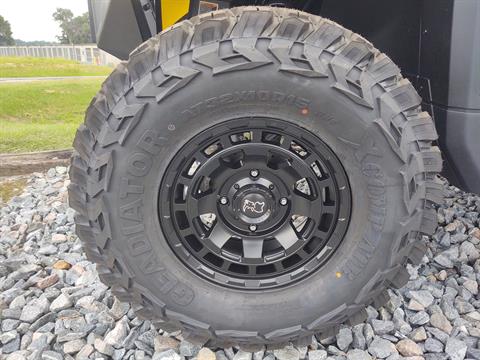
(6, 38)
(75, 29)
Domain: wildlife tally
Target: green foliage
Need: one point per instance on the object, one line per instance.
(20, 42)
(43, 115)
(11, 67)
(6, 38)
(75, 29)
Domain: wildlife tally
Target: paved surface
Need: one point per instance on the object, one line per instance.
(54, 306)
(52, 78)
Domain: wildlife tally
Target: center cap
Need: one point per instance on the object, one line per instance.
(254, 205)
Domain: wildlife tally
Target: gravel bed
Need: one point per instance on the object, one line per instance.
(53, 305)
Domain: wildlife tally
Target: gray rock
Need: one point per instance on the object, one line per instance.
(344, 339)
(407, 348)
(166, 355)
(61, 303)
(74, 346)
(473, 353)
(381, 348)
(286, 353)
(103, 348)
(51, 355)
(433, 345)
(119, 309)
(18, 303)
(423, 297)
(456, 349)
(359, 341)
(34, 309)
(148, 337)
(39, 341)
(118, 354)
(357, 354)
(419, 318)
(188, 349)
(418, 334)
(317, 355)
(85, 352)
(17, 355)
(368, 333)
(462, 306)
(117, 335)
(220, 355)
(381, 327)
(444, 261)
(242, 355)
(9, 324)
(8, 336)
(439, 321)
(42, 321)
(471, 286)
(449, 309)
(258, 355)
(438, 334)
(69, 336)
(11, 344)
(132, 337)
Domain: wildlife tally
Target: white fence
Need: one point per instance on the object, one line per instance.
(87, 54)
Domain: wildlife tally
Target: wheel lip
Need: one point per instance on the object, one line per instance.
(289, 278)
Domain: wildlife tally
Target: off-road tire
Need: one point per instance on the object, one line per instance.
(181, 82)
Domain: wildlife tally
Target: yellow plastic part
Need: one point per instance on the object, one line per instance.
(173, 10)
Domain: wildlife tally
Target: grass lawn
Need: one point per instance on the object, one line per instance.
(11, 67)
(43, 115)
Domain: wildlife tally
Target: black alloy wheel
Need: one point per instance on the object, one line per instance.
(255, 207)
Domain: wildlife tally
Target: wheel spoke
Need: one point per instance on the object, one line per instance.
(327, 182)
(286, 142)
(207, 204)
(330, 209)
(290, 176)
(256, 135)
(184, 180)
(225, 141)
(219, 235)
(252, 154)
(301, 206)
(287, 236)
(208, 167)
(252, 248)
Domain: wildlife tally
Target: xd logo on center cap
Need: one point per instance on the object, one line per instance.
(254, 205)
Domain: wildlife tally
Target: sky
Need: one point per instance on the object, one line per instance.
(32, 19)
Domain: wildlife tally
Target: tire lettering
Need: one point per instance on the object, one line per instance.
(139, 164)
(275, 97)
(367, 154)
(131, 194)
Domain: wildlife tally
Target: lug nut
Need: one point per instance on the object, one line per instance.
(253, 228)
(254, 173)
(236, 186)
(283, 201)
(223, 200)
